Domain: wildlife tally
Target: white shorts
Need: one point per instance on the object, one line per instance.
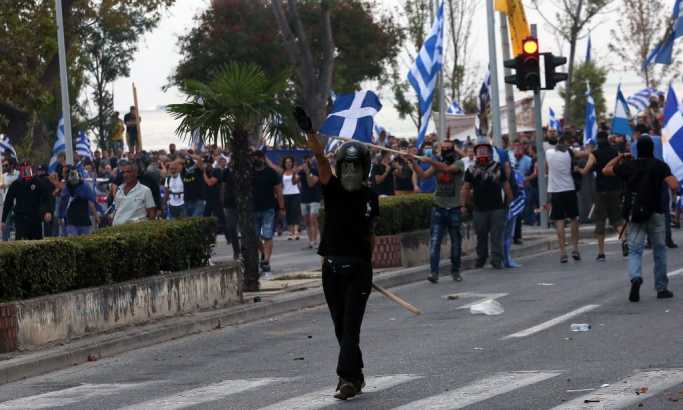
(312, 208)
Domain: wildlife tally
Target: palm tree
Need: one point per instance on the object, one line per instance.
(237, 103)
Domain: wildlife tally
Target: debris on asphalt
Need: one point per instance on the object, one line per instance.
(545, 284)
(642, 390)
(477, 348)
(92, 358)
(580, 327)
(298, 358)
(310, 337)
(567, 338)
(489, 307)
(453, 297)
(604, 385)
(257, 299)
(591, 401)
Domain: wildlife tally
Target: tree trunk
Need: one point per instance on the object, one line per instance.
(242, 168)
(572, 55)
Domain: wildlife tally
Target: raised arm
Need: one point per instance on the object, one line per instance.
(324, 167)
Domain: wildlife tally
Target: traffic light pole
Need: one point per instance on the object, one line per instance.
(540, 152)
(509, 92)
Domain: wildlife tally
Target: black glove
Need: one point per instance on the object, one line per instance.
(303, 120)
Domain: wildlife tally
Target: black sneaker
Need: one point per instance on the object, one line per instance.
(576, 256)
(456, 276)
(601, 257)
(665, 294)
(346, 390)
(517, 241)
(634, 296)
(497, 266)
(479, 264)
(433, 278)
(671, 245)
(624, 248)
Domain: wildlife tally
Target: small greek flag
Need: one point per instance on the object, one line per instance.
(590, 128)
(352, 116)
(455, 109)
(553, 122)
(6, 147)
(640, 100)
(621, 122)
(519, 203)
(663, 52)
(423, 74)
(83, 145)
(58, 148)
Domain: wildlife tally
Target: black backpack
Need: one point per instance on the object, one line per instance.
(635, 207)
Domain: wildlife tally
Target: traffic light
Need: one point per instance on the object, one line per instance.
(526, 65)
(551, 76)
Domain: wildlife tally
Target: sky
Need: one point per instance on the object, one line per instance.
(158, 54)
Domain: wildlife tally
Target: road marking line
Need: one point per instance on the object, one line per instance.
(624, 392)
(552, 322)
(675, 273)
(66, 397)
(201, 395)
(480, 390)
(325, 397)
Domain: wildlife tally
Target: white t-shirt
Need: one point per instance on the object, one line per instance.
(176, 190)
(559, 171)
(132, 207)
(288, 188)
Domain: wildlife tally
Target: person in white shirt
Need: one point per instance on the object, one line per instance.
(175, 198)
(562, 189)
(8, 175)
(133, 202)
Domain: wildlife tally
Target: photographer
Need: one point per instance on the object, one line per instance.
(645, 178)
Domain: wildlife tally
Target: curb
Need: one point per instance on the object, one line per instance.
(108, 345)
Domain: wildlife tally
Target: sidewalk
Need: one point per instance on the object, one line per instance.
(289, 292)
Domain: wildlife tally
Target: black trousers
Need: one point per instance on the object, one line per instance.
(27, 230)
(347, 296)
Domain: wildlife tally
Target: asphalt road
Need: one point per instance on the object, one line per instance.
(525, 358)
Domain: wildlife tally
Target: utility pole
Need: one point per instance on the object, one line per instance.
(542, 186)
(493, 67)
(509, 92)
(64, 82)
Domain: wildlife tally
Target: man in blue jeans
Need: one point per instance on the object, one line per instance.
(449, 173)
(645, 178)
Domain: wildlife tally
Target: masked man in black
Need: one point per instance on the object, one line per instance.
(30, 201)
(351, 209)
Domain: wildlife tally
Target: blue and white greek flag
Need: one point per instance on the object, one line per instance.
(519, 203)
(672, 135)
(455, 109)
(352, 116)
(621, 122)
(423, 74)
(590, 128)
(553, 122)
(663, 52)
(83, 145)
(58, 148)
(640, 100)
(6, 147)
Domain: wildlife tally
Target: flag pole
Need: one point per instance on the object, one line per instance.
(442, 92)
(379, 147)
(64, 83)
(493, 67)
(509, 92)
(137, 109)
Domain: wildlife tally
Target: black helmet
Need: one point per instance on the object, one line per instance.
(353, 151)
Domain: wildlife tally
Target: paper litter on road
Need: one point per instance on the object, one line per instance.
(545, 284)
(489, 307)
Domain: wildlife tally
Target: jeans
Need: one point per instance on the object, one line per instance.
(654, 228)
(73, 230)
(6, 233)
(194, 208)
(490, 226)
(176, 212)
(347, 296)
(530, 216)
(445, 220)
(666, 200)
(264, 222)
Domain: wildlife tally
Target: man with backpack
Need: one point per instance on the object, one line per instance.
(645, 178)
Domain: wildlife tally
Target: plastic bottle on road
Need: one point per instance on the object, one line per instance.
(580, 327)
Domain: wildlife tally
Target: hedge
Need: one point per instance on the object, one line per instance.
(36, 268)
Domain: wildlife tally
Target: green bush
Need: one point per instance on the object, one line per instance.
(35, 268)
(399, 214)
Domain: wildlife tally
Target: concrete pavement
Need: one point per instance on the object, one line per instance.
(526, 358)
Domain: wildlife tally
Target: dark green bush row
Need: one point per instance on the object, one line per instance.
(405, 213)
(35, 268)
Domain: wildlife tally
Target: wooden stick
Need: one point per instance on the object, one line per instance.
(395, 298)
(623, 229)
(379, 147)
(137, 108)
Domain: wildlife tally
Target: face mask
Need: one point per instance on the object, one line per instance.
(351, 176)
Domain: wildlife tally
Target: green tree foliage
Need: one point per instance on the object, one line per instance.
(366, 42)
(583, 74)
(226, 110)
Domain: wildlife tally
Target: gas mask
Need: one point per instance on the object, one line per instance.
(190, 166)
(483, 154)
(26, 171)
(351, 176)
(73, 178)
(448, 156)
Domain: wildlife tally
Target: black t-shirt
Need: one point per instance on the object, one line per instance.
(193, 183)
(229, 198)
(263, 183)
(131, 130)
(487, 184)
(349, 220)
(603, 183)
(152, 182)
(387, 186)
(213, 192)
(308, 194)
(77, 212)
(404, 179)
(650, 189)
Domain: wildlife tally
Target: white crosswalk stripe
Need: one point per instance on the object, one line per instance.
(626, 392)
(480, 390)
(204, 394)
(325, 397)
(66, 397)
